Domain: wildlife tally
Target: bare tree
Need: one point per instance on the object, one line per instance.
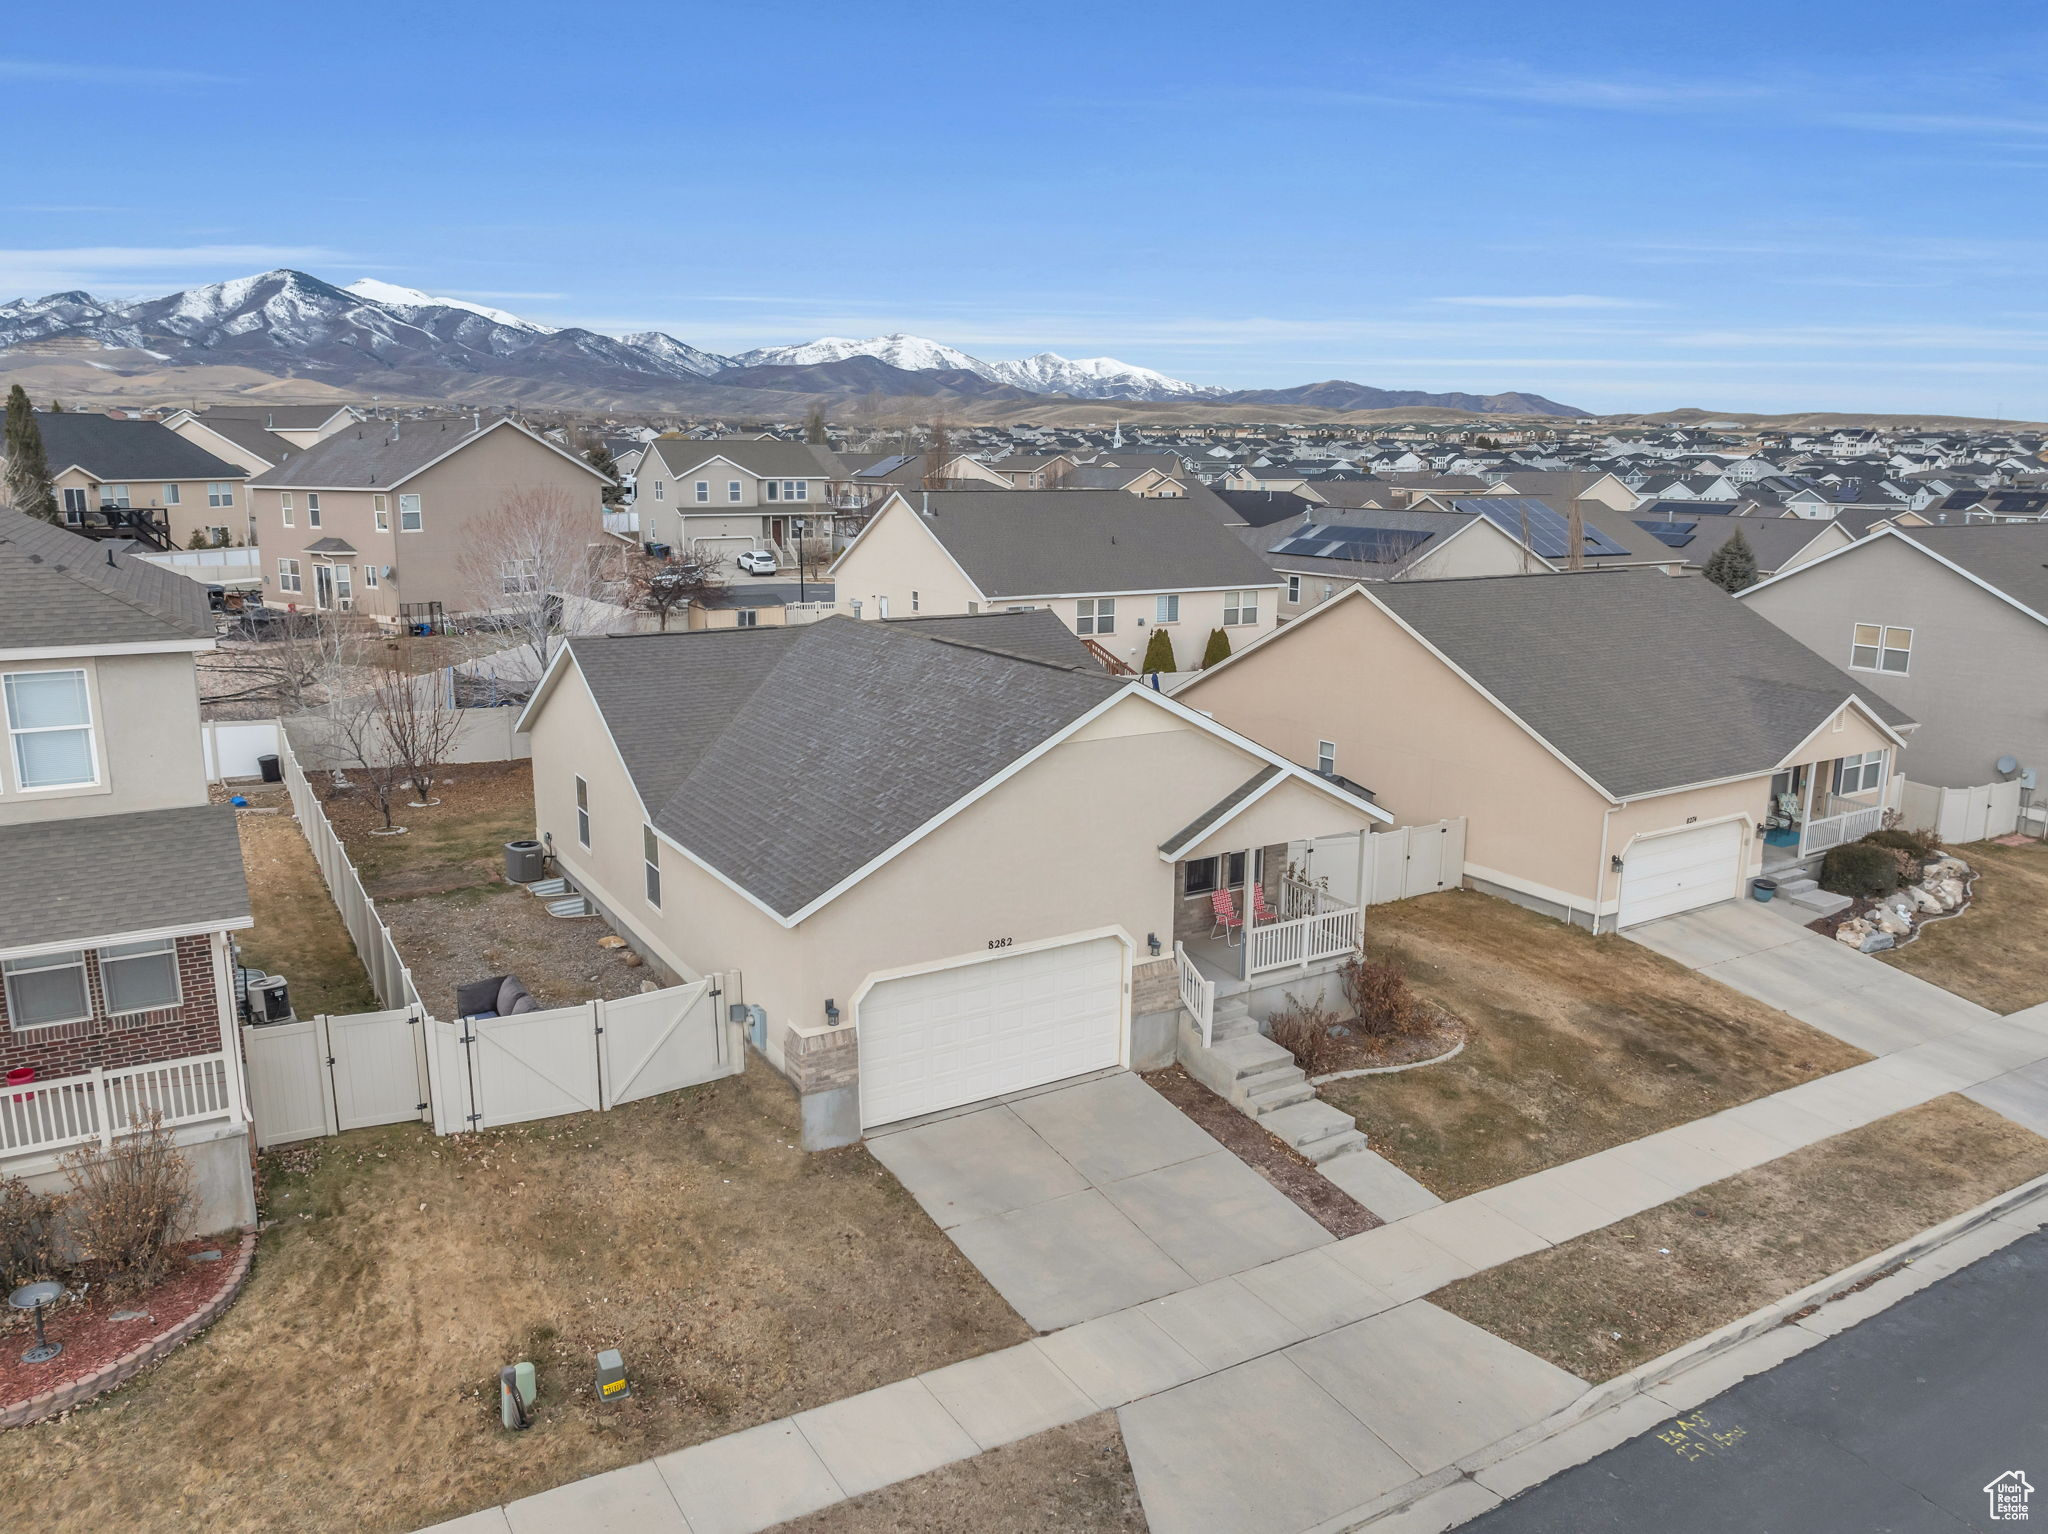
(289, 672)
(938, 456)
(542, 566)
(660, 586)
(347, 736)
(420, 724)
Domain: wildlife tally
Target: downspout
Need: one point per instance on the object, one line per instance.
(1600, 873)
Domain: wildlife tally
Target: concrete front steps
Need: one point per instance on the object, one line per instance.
(1805, 892)
(1262, 1081)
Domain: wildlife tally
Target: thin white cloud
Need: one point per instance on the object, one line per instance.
(146, 266)
(1549, 301)
(83, 72)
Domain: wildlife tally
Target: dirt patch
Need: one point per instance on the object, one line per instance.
(449, 940)
(298, 932)
(1265, 1153)
(1620, 1296)
(84, 1326)
(353, 1385)
(1071, 1479)
(451, 845)
(1996, 952)
(1577, 1043)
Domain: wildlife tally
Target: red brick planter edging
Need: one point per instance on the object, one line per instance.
(138, 1358)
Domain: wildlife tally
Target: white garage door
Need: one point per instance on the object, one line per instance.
(1663, 875)
(974, 1031)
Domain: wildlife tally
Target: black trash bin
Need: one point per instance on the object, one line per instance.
(269, 766)
(524, 861)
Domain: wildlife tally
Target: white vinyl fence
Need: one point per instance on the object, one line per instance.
(1415, 860)
(322, 1075)
(232, 746)
(1958, 815)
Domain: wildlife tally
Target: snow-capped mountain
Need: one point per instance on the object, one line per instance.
(1093, 378)
(912, 353)
(412, 298)
(375, 337)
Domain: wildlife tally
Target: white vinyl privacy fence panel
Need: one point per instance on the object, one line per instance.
(1415, 860)
(322, 1075)
(1966, 814)
(232, 746)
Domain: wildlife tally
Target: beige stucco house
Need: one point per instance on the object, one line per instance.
(110, 472)
(1317, 554)
(726, 496)
(1113, 566)
(377, 518)
(1623, 744)
(939, 860)
(120, 884)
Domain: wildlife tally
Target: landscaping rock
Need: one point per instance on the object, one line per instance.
(1923, 898)
(1853, 932)
(1950, 893)
(1878, 940)
(1889, 920)
(611, 942)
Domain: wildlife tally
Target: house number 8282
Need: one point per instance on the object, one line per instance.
(1000, 942)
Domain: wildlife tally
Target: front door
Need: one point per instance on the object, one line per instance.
(323, 586)
(778, 531)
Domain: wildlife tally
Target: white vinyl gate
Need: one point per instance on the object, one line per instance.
(1408, 861)
(322, 1075)
(489, 1071)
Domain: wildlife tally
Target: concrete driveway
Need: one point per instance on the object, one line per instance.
(1815, 979)
(1081, 1200)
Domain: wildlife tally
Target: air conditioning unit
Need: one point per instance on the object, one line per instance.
(270, 1000)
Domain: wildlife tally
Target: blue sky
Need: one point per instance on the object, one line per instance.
(1799, 205)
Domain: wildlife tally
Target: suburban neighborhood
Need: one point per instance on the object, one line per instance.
(638, 898)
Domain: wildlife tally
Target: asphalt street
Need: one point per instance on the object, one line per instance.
(1896, 1426)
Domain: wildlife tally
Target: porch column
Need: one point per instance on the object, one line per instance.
(1806, 820)
(1364, 871)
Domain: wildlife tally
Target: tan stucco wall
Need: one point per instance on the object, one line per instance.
(184, 519)
(146, 731)
(1973, 656)
(1481, 549)
(893, 557)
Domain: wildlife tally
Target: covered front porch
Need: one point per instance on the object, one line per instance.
(1826, 803)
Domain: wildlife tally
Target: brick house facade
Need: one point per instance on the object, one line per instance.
(134, 1038)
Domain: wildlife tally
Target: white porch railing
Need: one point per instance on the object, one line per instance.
(1313, 927)
(626, 524)
(1197, 992)
(1847, 821)
(99, 1104)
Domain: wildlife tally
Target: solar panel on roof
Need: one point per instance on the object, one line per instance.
(1672, 534)
(1548, 532)
(1365, 545)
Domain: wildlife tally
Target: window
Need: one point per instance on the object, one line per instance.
(803, 490)
(1240, 607)
(170, 495)
(746, 618)
(772, 489)
(284, 506)
(913, 601)
(732, 490)
(1877, 648)
(1860, 774)
(217, 536)
(139, 977)
(288, 578)
(1199, 876)
(518, 575)
(1326, 758)
(49, 719)
(1166, 609)
(75, 504)
(1293, 589)
(1095, 615)
(370, 577)
(582, 813)
(312, 510)
(409, 519)
(221, 492)
(47, 989)
(114, 495)
(650, 854)
(703, 489)
(1328, 591)
(788, 489)
(345, 587)
(380, 508)
(661, 489)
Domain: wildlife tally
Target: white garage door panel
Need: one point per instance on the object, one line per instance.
(1680, 871)
(975, 1031)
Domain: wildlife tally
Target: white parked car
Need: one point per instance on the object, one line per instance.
(757, 562)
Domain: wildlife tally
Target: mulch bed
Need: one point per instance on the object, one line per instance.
(92, 1339)
(1272, 1158)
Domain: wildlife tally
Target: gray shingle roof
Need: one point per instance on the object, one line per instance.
(1646, 681)
(276, 417)
(57, 588)
(2012, 557)
(1028, 543)
(367, 456)
(250, 436)
(769, 459)
(123, 452)
(1438, 526)
(79, 880)
(858, 733)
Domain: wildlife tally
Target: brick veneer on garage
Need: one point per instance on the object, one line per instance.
(190, 1028)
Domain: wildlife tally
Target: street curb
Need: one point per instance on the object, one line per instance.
(1613, 1412)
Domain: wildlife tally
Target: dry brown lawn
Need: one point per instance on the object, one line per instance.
(298, 932)
(1072, 1480)
(452, 845)
(1996, 952)
(1620, 1296)
(353, 1386)
(1577, 1043)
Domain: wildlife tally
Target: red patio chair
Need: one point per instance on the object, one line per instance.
(1261, 912)
(1227, 919)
